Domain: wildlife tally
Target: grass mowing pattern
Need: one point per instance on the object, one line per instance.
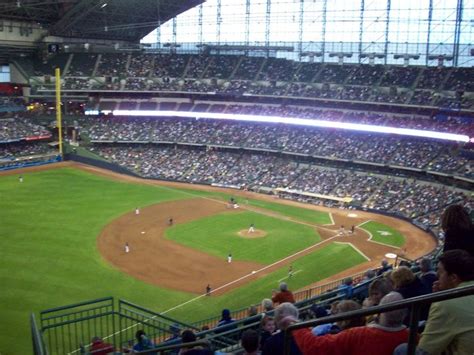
(394, 238)
(48, 228)
(310, 268)
(217, 235)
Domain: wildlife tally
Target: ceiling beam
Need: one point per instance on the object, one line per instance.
(82, 9)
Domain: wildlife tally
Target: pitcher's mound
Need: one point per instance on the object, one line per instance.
(244, 233)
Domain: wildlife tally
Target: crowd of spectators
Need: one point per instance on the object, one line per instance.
(113, 65)
(336, 144)
(13, 129)
(10, 152)
(277, 77)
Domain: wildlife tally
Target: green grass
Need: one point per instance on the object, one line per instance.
(311, 268)
(48, 229)
(217, 235)
(297, 213)
(49, 225)
(300, 214)
(384, 234)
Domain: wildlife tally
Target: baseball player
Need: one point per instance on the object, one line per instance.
(137, 211)
(229, 258)
(127, 248)
(251, 228)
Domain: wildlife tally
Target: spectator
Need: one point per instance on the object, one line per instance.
(249, 342)
(385, 266)
(143, 343)
(376, 338)
(450, 325)
(377, 290)
(188, 336)
(175, 332)
(251, 319)
(283, 296)
(225, 322)
(99, 347)
(267, 305)
(458, 229)
(321, 312)
(342, 307)
(268, 328)
(408, 285)
(349, 306)
(427, 275)
(346, 288)
(275, 344)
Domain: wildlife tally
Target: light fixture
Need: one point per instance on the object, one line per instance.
(294, 121)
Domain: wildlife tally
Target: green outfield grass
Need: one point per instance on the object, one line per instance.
(313, 267)
(217, 235)
(384, 234)
(297, 213)
(301, 214)
(48, 228)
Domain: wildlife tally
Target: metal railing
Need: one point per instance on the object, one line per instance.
(37, 339)
(69, 329)
(414, 304)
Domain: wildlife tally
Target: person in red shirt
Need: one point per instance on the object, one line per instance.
(379, 338)
(99, 347)
(283, 296)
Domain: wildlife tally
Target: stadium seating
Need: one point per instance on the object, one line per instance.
(424, 86)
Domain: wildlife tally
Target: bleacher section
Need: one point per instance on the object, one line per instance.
(425, 86)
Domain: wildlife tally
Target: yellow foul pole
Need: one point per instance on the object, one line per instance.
(58, 110)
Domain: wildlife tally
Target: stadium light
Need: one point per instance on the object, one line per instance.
(293, 121)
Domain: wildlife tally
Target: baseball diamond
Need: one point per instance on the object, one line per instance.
(166, 267)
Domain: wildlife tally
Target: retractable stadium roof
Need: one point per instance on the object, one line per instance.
(125, 20)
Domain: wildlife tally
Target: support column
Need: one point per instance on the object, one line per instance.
(428, 37)
(361, 27)
(200, 24)
(219, 20)
(174, 30)
(387, 25)
(300, 29)
(158, 35)
(267, 23)
(457, 33)
(323, 44)
(247, 23)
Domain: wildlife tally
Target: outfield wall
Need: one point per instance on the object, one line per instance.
(100, 164)
(11, 165)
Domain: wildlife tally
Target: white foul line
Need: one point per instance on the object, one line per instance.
(355, 248)
(251, 274)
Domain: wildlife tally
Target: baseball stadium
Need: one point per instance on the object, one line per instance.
(236, 177)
